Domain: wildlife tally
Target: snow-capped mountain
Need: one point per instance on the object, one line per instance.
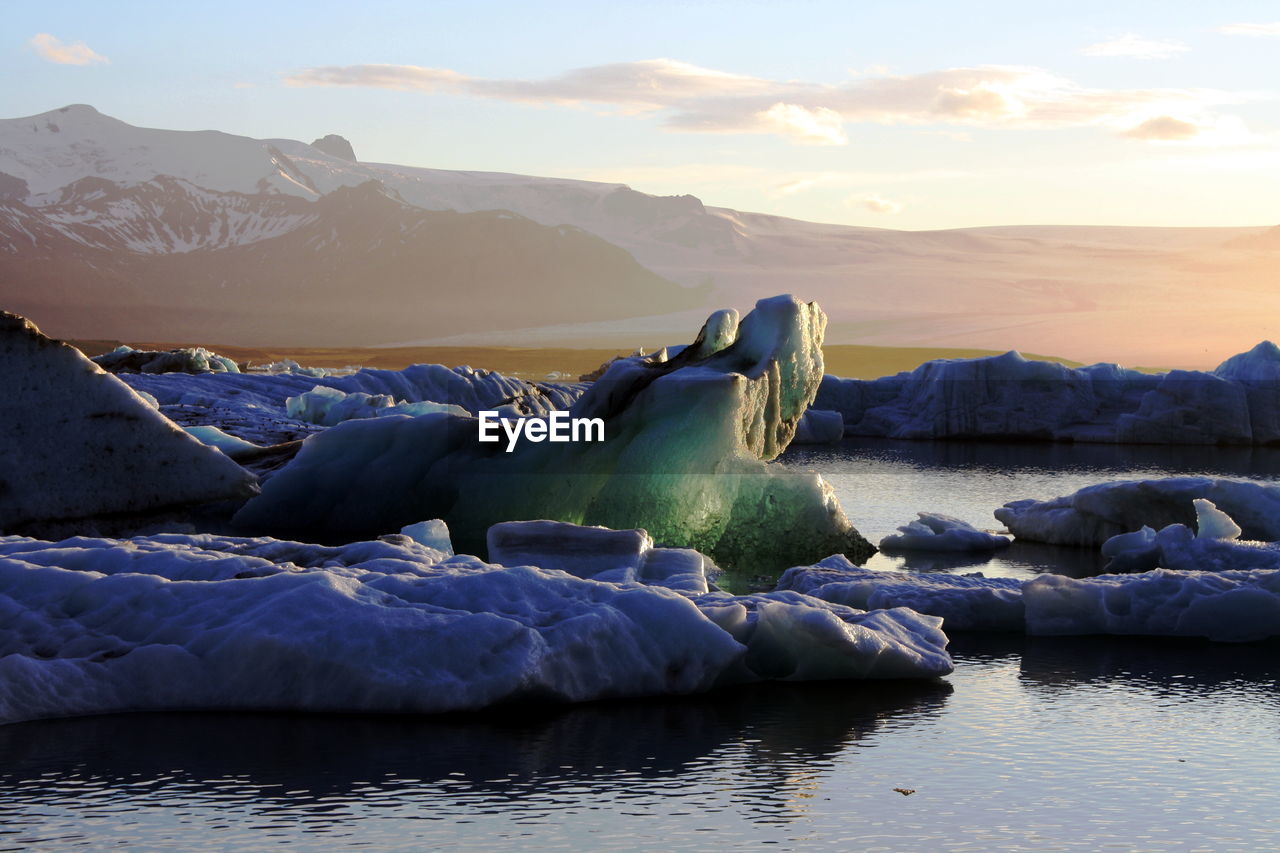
(95, 213)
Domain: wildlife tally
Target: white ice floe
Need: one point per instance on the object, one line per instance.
(933, 531)
(683, 456)
(1226, 606)
(228, 444)
(965, 602)
(207, 622)
(1214, 546)
(77, 444)
(1096, 513)
(1008, 396)
(1217, 588)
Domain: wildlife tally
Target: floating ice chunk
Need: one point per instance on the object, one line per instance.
(934, 531)
(965, 602)
(599, 553)
(212, 436)
(77, 443)
(207, 622)
(1096, 513)
(1213, 523)
(433, 533)
(819, 427)
(581, 551)
(1231, 606)
(794, 637)
(682, 569)
(1215, 547)
(1132, 552)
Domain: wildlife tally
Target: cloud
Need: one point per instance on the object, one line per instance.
(1205, 130)
(876, 203)
(819, 126)
(701, 100)
(1135, 47)
(1265, 30)
(1164, 129)
(55, 50)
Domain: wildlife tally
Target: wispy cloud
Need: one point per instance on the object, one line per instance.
(56, 50)
(1271, 30)
(876, 203)
(1204, 130)
(701, 100)
(1136, 47)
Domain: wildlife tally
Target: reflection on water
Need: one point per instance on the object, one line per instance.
(1043, 744)
(883, 483)
(729, 757)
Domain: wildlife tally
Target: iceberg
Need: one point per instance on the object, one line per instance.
(684, 457)
(933, 531)
(177, 621)
(79, 450)
(1096, 513)
(1010, 397)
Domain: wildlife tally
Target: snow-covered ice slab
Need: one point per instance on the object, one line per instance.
(686, 441)
(1229, 604)
(1007, 396)
(76, 444)
(933, 531)
(207, 622)
(965, 602)
(1214, 546)
(1096, 513)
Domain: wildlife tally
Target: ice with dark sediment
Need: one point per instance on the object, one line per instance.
(79, 449)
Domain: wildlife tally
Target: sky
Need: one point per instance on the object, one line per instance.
(911, 114)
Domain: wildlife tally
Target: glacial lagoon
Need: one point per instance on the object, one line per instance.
(1031, 744)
